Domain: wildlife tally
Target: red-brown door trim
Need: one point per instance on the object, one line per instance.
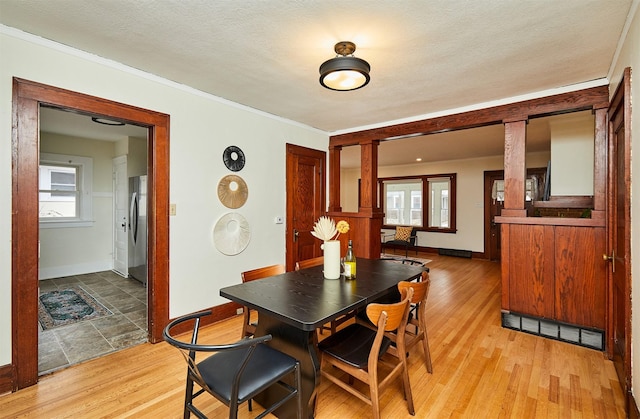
(27, 98)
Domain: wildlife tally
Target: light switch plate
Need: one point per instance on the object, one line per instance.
(172, 209)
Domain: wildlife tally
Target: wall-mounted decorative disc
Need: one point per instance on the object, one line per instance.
(232, 191)
(233, 158)
(231, 234)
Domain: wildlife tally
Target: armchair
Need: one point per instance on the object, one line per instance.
(404, 237)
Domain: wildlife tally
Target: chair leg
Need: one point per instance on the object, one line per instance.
(188, 397)
(375, 397)
(298, 385)
(407, 386)
(427, 352)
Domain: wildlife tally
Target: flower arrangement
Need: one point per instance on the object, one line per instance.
(326, 229)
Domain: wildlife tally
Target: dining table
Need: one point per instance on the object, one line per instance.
(292, 305)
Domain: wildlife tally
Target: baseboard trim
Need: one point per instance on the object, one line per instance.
(7, 379)
(77, 269)
(218, 313)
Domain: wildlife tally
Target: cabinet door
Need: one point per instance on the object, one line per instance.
(580, 275)
(531, 261)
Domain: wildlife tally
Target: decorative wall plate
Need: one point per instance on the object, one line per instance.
(231, 234)
(233, 158)
(232, 191)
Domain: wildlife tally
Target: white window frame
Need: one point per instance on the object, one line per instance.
(439, 202)
(84, 185)
(405, 214)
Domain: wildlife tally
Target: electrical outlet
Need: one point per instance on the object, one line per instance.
(172, 209)
(239, 310)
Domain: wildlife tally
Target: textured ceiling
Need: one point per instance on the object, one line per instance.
(426, 56)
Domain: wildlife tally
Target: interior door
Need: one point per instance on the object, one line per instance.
(619, 230)
(305, 202)
(120, 221)
(492, 208)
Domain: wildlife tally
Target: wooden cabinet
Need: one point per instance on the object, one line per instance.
(555, 272)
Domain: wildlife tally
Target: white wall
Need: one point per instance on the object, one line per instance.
(202, 126)
(77, 250)
(629, 56)
(469, 198)
(572, 156)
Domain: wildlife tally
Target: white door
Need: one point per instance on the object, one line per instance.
(120, 214)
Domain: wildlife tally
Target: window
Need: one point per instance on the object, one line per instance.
(439, 202)
(65, 190)
(427, 202)
(403, 202)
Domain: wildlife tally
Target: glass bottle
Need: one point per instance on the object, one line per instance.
(350, 263)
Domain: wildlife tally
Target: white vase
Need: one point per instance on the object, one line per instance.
(331, 250)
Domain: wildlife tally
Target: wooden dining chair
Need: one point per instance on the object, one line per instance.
(249, 327)
(309, 263)
(333, 326)
(358, 350)
(419, 320)
(233, 373)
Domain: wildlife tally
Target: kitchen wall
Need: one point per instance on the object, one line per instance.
(202, 126)
(76, 250)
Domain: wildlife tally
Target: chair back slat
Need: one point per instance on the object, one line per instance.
(420, 289)
(395, 312)
(263, 272)
(309, 263)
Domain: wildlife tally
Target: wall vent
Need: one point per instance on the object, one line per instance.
(455, 252)
(589, 338)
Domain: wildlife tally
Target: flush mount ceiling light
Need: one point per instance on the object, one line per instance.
(105, 121)
(344, 72)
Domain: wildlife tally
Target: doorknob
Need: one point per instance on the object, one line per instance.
(611, 259)
(295, 235)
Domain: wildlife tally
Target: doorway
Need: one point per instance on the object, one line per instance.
(305, 202)
(27, 98)
(77, 202)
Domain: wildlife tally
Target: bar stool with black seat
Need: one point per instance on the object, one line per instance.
(249, 327)
(317, 261)
(357, 350)
(234, 373)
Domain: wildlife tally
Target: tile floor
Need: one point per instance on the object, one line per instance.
(126, 298)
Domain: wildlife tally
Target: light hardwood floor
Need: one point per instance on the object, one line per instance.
(480, 370)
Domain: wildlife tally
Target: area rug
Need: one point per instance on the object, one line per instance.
(63, 307)
(401, 259)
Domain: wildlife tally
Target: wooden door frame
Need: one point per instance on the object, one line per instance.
(27, 98)
(489, 176)
(620, 102)
(293, 149)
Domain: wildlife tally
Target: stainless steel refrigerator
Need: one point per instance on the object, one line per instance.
(138, 228)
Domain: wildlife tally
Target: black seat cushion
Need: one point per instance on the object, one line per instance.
(266, 363)
(352, 345)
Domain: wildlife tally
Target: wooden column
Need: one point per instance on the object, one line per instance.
(600, 164)
(369, 177)
(334, 178)
(515, 170)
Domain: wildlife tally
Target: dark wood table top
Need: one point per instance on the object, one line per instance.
(306, 300)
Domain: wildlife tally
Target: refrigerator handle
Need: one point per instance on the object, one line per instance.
(133, 217)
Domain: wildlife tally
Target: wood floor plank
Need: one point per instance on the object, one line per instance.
(480, 370)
